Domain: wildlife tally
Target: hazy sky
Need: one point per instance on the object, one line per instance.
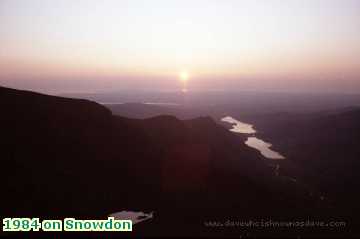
(89, 45)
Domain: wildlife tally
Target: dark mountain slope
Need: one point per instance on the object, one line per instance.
(63, 157)
(54, 149)
(323, 150)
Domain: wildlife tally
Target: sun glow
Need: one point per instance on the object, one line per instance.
(184, 76)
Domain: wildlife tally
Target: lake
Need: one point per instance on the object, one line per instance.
(239, 127)
(243, 128)
(135, 217)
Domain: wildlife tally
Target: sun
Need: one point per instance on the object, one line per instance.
(184, 76)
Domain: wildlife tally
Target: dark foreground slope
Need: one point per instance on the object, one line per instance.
(324, 149)
(64, 157)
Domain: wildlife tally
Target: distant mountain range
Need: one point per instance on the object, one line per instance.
(63, 157)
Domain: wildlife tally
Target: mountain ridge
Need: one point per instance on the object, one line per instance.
(74, 158)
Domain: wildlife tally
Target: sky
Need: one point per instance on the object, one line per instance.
(109, 45)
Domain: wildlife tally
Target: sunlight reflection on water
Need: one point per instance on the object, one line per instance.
(253, 142)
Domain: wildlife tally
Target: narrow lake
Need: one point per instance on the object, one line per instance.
(135, 217)
(252, 141)
(239, 127)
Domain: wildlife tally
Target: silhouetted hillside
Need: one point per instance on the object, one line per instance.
(67, 157)
(323, 150)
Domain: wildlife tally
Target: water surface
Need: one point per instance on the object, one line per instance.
(135, 217)
(253, 142)
(263, 147)
(239, 127)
